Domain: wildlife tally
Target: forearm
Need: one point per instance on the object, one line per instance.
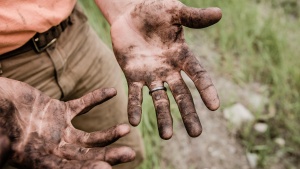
(113, 9)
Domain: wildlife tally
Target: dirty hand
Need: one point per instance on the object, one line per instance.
(42, 135)
(149, 44)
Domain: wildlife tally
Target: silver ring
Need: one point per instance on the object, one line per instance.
(157, 88)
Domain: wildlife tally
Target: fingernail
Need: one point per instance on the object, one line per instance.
(123, 129)
(113, 91)
(217, 12)
(166, 134)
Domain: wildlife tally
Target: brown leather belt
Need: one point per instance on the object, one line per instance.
(40, 41)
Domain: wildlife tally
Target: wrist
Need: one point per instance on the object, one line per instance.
(114, 9)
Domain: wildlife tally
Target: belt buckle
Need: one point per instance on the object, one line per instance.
(37, 48)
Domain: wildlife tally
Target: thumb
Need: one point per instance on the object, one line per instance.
(199, 18)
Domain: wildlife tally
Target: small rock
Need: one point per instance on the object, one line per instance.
(272, 111)
(237, 115)
(261, 127)
(252, 159)
(280, 141)
(256, 101)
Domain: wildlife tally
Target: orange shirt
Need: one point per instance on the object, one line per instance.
(21, 19)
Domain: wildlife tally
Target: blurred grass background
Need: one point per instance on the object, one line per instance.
(259, 42)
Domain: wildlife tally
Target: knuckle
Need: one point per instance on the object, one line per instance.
(200, 74)
(183, 97)
(162, 102)
(206, 87)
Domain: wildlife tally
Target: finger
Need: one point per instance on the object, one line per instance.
(199, 18)
(135, 100)
(39, 160)
(202, 82)
(90, 100)
(4, 147)
(98, 138)
(112, 155)
(164, 119)
(186, 106)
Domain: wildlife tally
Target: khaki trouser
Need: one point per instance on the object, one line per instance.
(77, 63)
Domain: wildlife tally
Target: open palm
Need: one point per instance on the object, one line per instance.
(42, 136)
(149, 45)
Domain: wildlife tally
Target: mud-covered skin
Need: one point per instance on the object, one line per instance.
(42, 136)
(149, 44)
(4, 147)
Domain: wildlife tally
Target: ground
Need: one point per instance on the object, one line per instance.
(216, 148)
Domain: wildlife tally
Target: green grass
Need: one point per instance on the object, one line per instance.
(259, 42)
(97, 20)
